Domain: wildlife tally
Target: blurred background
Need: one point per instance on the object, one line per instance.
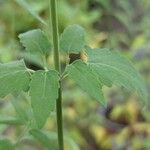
(120, 25)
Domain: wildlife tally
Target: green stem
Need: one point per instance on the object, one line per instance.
(53, 6)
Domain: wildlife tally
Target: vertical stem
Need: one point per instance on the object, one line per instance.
(53, 8)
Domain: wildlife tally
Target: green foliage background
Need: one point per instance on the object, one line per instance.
(121, 25)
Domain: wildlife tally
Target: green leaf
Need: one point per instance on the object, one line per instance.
(72, 39)
(44, 92)
(105, 4)
(33, 59)
(105, 68)
(72, 143)
(20, 109)
(111, 68)
(6, 145)
(44, 139)
(10, 121)
(49, 139)
(27, 7)
(35, 41)
(14, 77)
(86, 79)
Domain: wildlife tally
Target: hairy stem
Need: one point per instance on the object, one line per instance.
(53, 11)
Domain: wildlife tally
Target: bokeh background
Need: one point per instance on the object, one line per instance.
(120, 25)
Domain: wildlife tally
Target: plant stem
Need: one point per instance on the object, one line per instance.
(53, 8)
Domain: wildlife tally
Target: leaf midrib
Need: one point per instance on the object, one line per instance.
(44, 85)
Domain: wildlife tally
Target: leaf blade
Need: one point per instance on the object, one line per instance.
(35, 41)
(112, 68)
(72, 39)
(14, 77)
(20, 110)
(86, 79)
(44, 139)
(44, 92)
(11, 121)
(27, 7)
